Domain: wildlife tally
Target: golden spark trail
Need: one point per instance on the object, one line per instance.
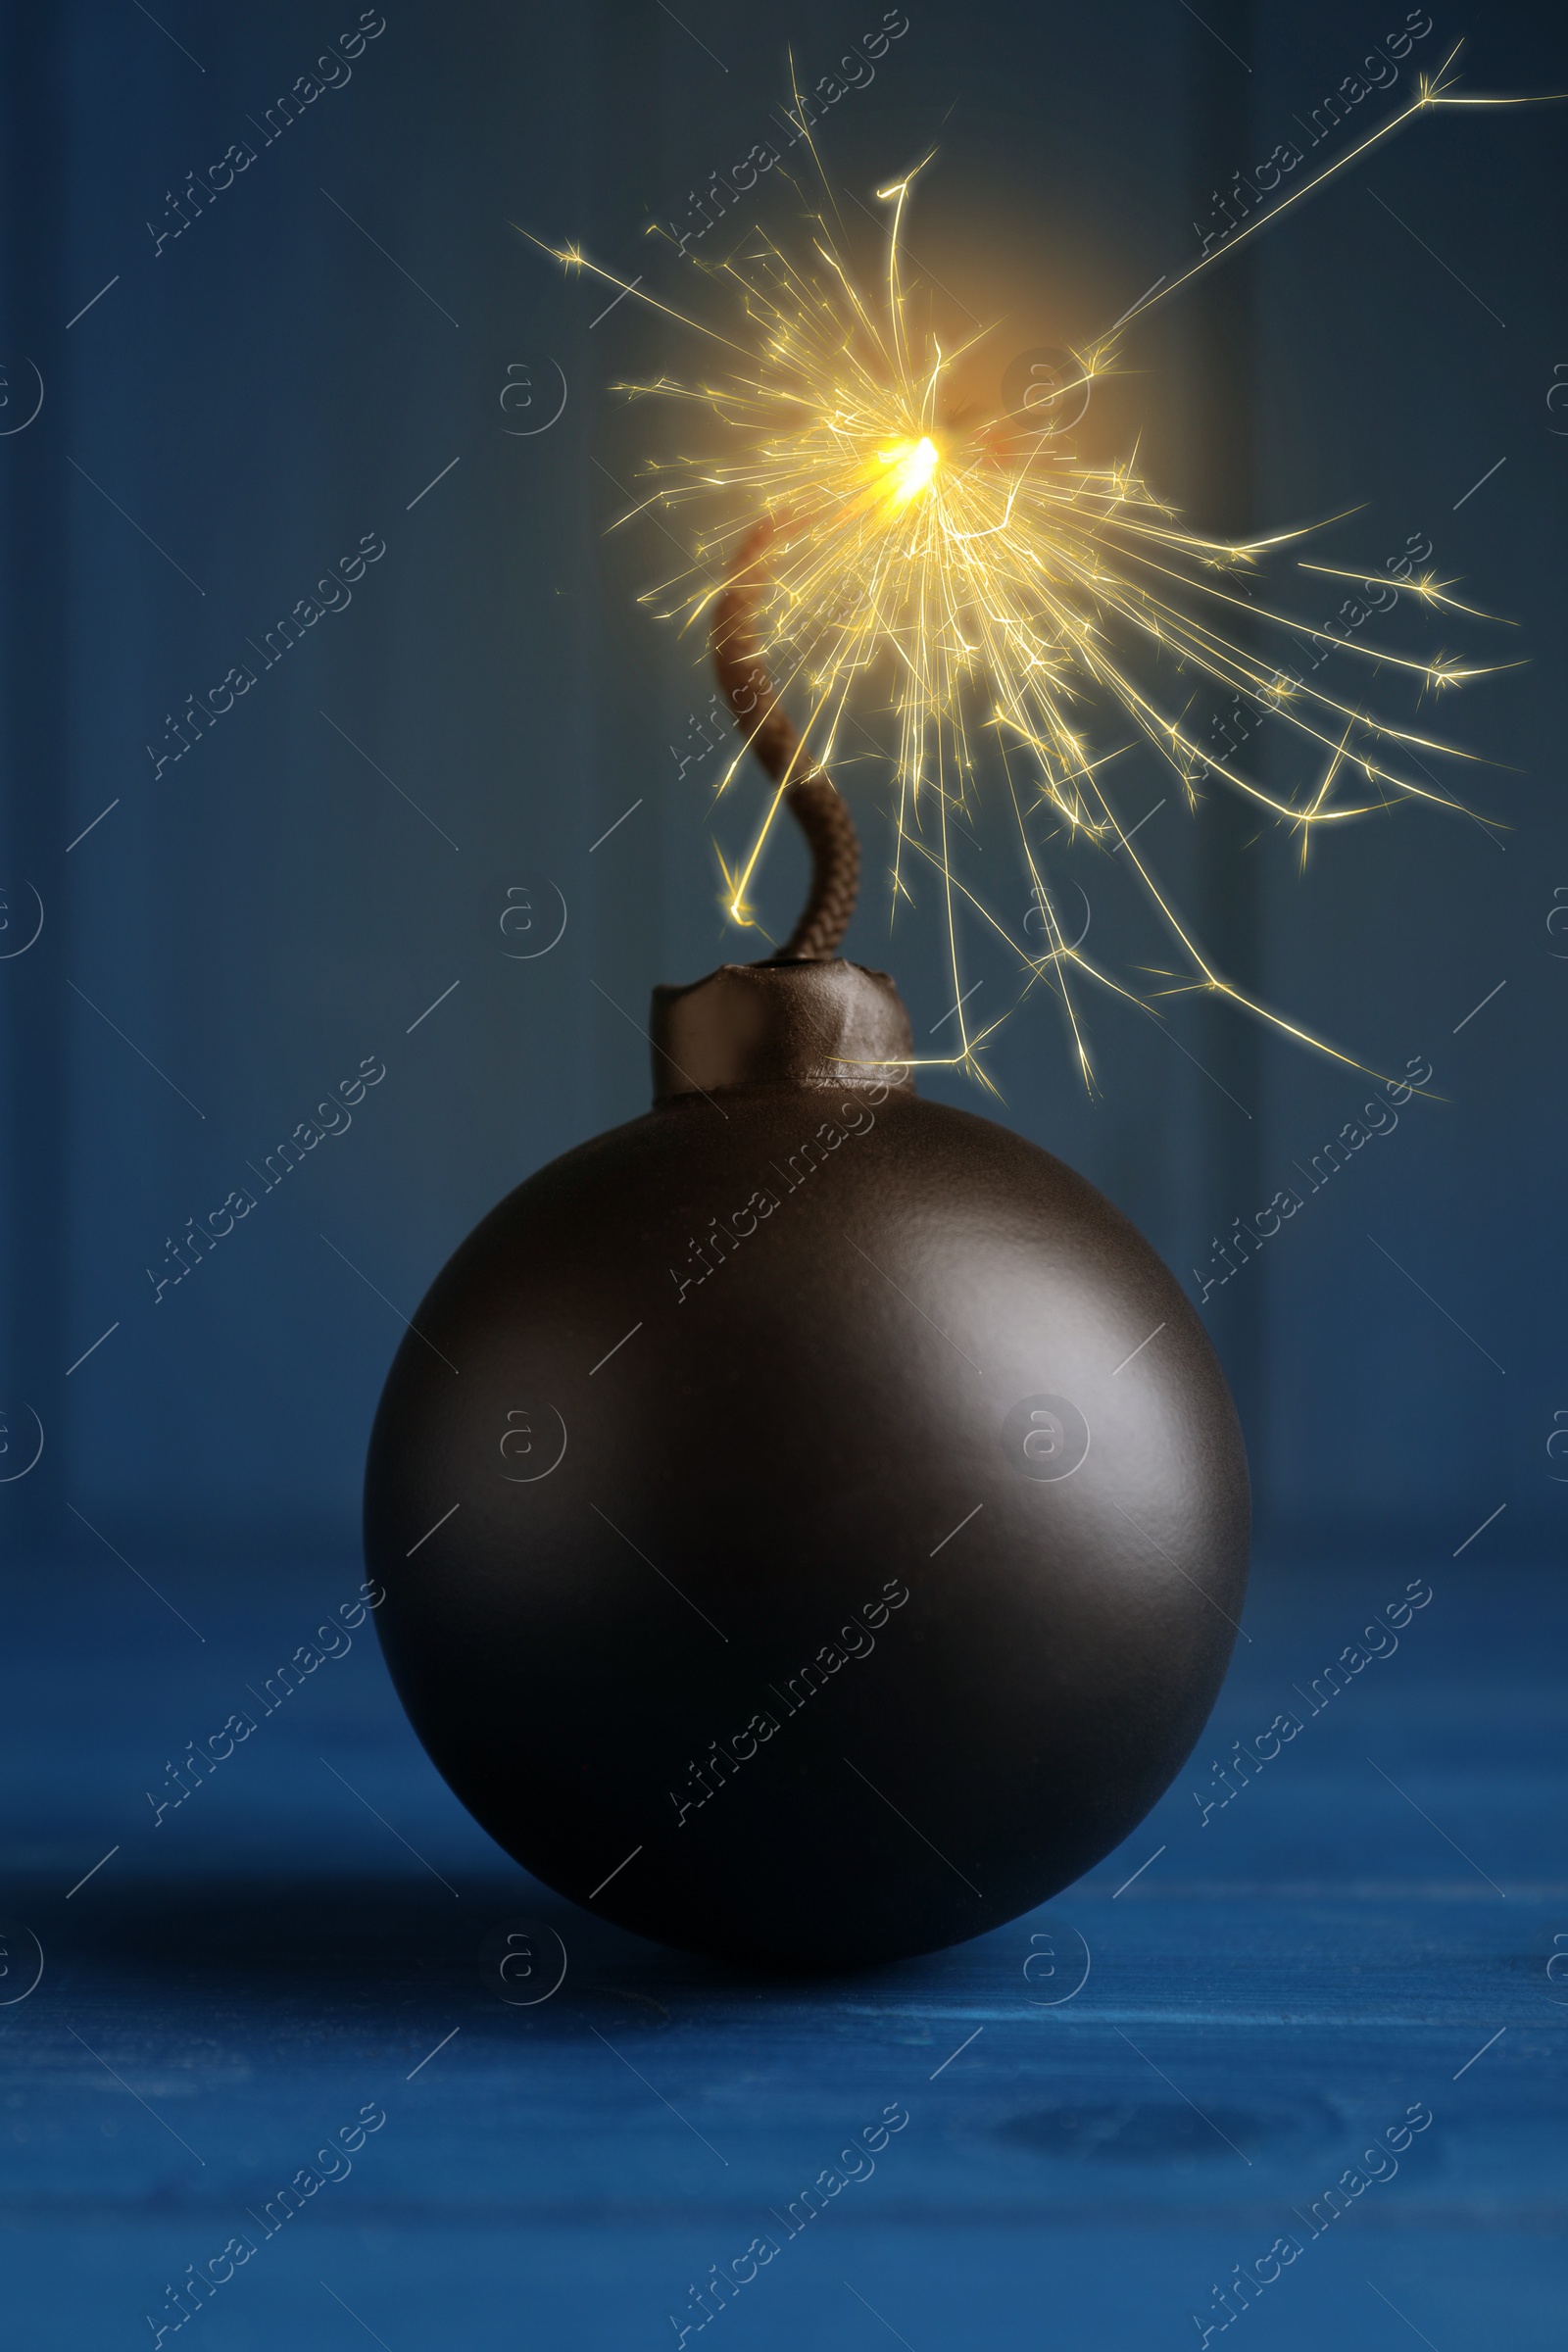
(996, 594)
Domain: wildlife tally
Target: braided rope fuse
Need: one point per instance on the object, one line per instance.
(810, 796)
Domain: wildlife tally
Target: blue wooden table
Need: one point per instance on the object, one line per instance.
(1313, 2038)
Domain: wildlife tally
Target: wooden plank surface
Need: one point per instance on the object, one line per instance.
(298, 1947)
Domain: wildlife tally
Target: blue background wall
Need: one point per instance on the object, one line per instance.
(241, 928)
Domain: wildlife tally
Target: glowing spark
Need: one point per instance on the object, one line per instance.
(913, 465)
(992, 591)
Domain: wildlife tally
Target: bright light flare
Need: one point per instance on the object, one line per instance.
(1027, 618)
(913, 464)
